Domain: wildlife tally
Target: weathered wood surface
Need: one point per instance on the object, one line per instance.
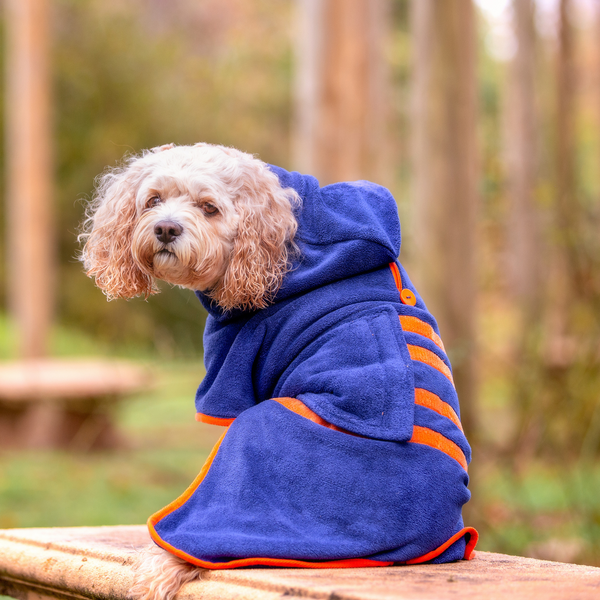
(95, 562)
(61, 379)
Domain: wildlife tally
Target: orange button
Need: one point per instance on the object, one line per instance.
(408, 297)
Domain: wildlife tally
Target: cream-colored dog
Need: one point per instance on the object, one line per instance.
(202, 217)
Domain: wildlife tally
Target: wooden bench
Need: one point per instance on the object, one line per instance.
(58, 403)
(95, 562)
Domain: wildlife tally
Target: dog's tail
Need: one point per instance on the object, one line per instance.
(158, 575)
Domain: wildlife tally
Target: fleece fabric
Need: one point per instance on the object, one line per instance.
(344, 445)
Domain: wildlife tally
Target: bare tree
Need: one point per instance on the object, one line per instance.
(340, 89)
(445, 179)
(30, 248)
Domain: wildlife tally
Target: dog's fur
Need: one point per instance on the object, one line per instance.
(232, 231)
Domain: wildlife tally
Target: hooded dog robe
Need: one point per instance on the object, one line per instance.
(343, 444)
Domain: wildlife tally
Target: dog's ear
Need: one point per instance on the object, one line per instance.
(264, 242)
(108, 231)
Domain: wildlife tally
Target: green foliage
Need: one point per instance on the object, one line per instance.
(543, 510)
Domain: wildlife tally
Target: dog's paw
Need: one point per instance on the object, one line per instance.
(158, 575)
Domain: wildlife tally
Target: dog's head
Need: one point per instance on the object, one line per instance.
(203, 217)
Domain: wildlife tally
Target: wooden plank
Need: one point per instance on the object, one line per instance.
(70, 404)
(47, 380)
(95, 562)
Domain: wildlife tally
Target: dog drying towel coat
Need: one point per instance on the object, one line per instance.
(343, 444)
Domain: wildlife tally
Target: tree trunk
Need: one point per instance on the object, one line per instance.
(523, 238)
(564, 264)
(445, 180)
(30, 253)
(340, 90)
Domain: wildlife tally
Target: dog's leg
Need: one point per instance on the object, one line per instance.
(158, 575)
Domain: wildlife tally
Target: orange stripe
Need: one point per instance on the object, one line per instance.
(214, 420)
(469, 554)
(435, 403)
(428, 437)
(396, 274)
(415, 325)
(301, 409)
(429, 358)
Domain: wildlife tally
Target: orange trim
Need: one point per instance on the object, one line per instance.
(429, 437)
(396, 274)
(429, 358)
(469, 554)
(301, 409)
(435, 403)
(214, 420)
(415, 325)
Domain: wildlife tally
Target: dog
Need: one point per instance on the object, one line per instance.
(343, 445)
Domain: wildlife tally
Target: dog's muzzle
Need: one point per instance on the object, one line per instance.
(167, 231)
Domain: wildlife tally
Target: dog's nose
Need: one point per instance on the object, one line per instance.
(167, 231)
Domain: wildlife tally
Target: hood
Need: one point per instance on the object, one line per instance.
(344, 229)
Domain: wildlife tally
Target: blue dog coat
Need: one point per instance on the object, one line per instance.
(343, 444)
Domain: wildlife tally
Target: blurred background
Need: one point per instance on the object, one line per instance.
(482, 117)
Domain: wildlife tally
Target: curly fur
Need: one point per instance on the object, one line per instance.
(237, 256)
(158, 575)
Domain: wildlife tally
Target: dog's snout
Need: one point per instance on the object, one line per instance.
(167, 231)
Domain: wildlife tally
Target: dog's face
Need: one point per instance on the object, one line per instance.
(186, 226)
(203, 217)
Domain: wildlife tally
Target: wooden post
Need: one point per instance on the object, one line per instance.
(445, 179)
(340, 112)
(30, 250)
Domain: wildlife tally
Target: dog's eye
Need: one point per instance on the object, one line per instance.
(210, 209)
(152, 202)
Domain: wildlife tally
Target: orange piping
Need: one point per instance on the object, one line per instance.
(435, 403)
(469, 554)
(396, 274)
(415, 325)
(429, 358)
(214, 420)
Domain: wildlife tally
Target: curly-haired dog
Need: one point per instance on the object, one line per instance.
(343, 446)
